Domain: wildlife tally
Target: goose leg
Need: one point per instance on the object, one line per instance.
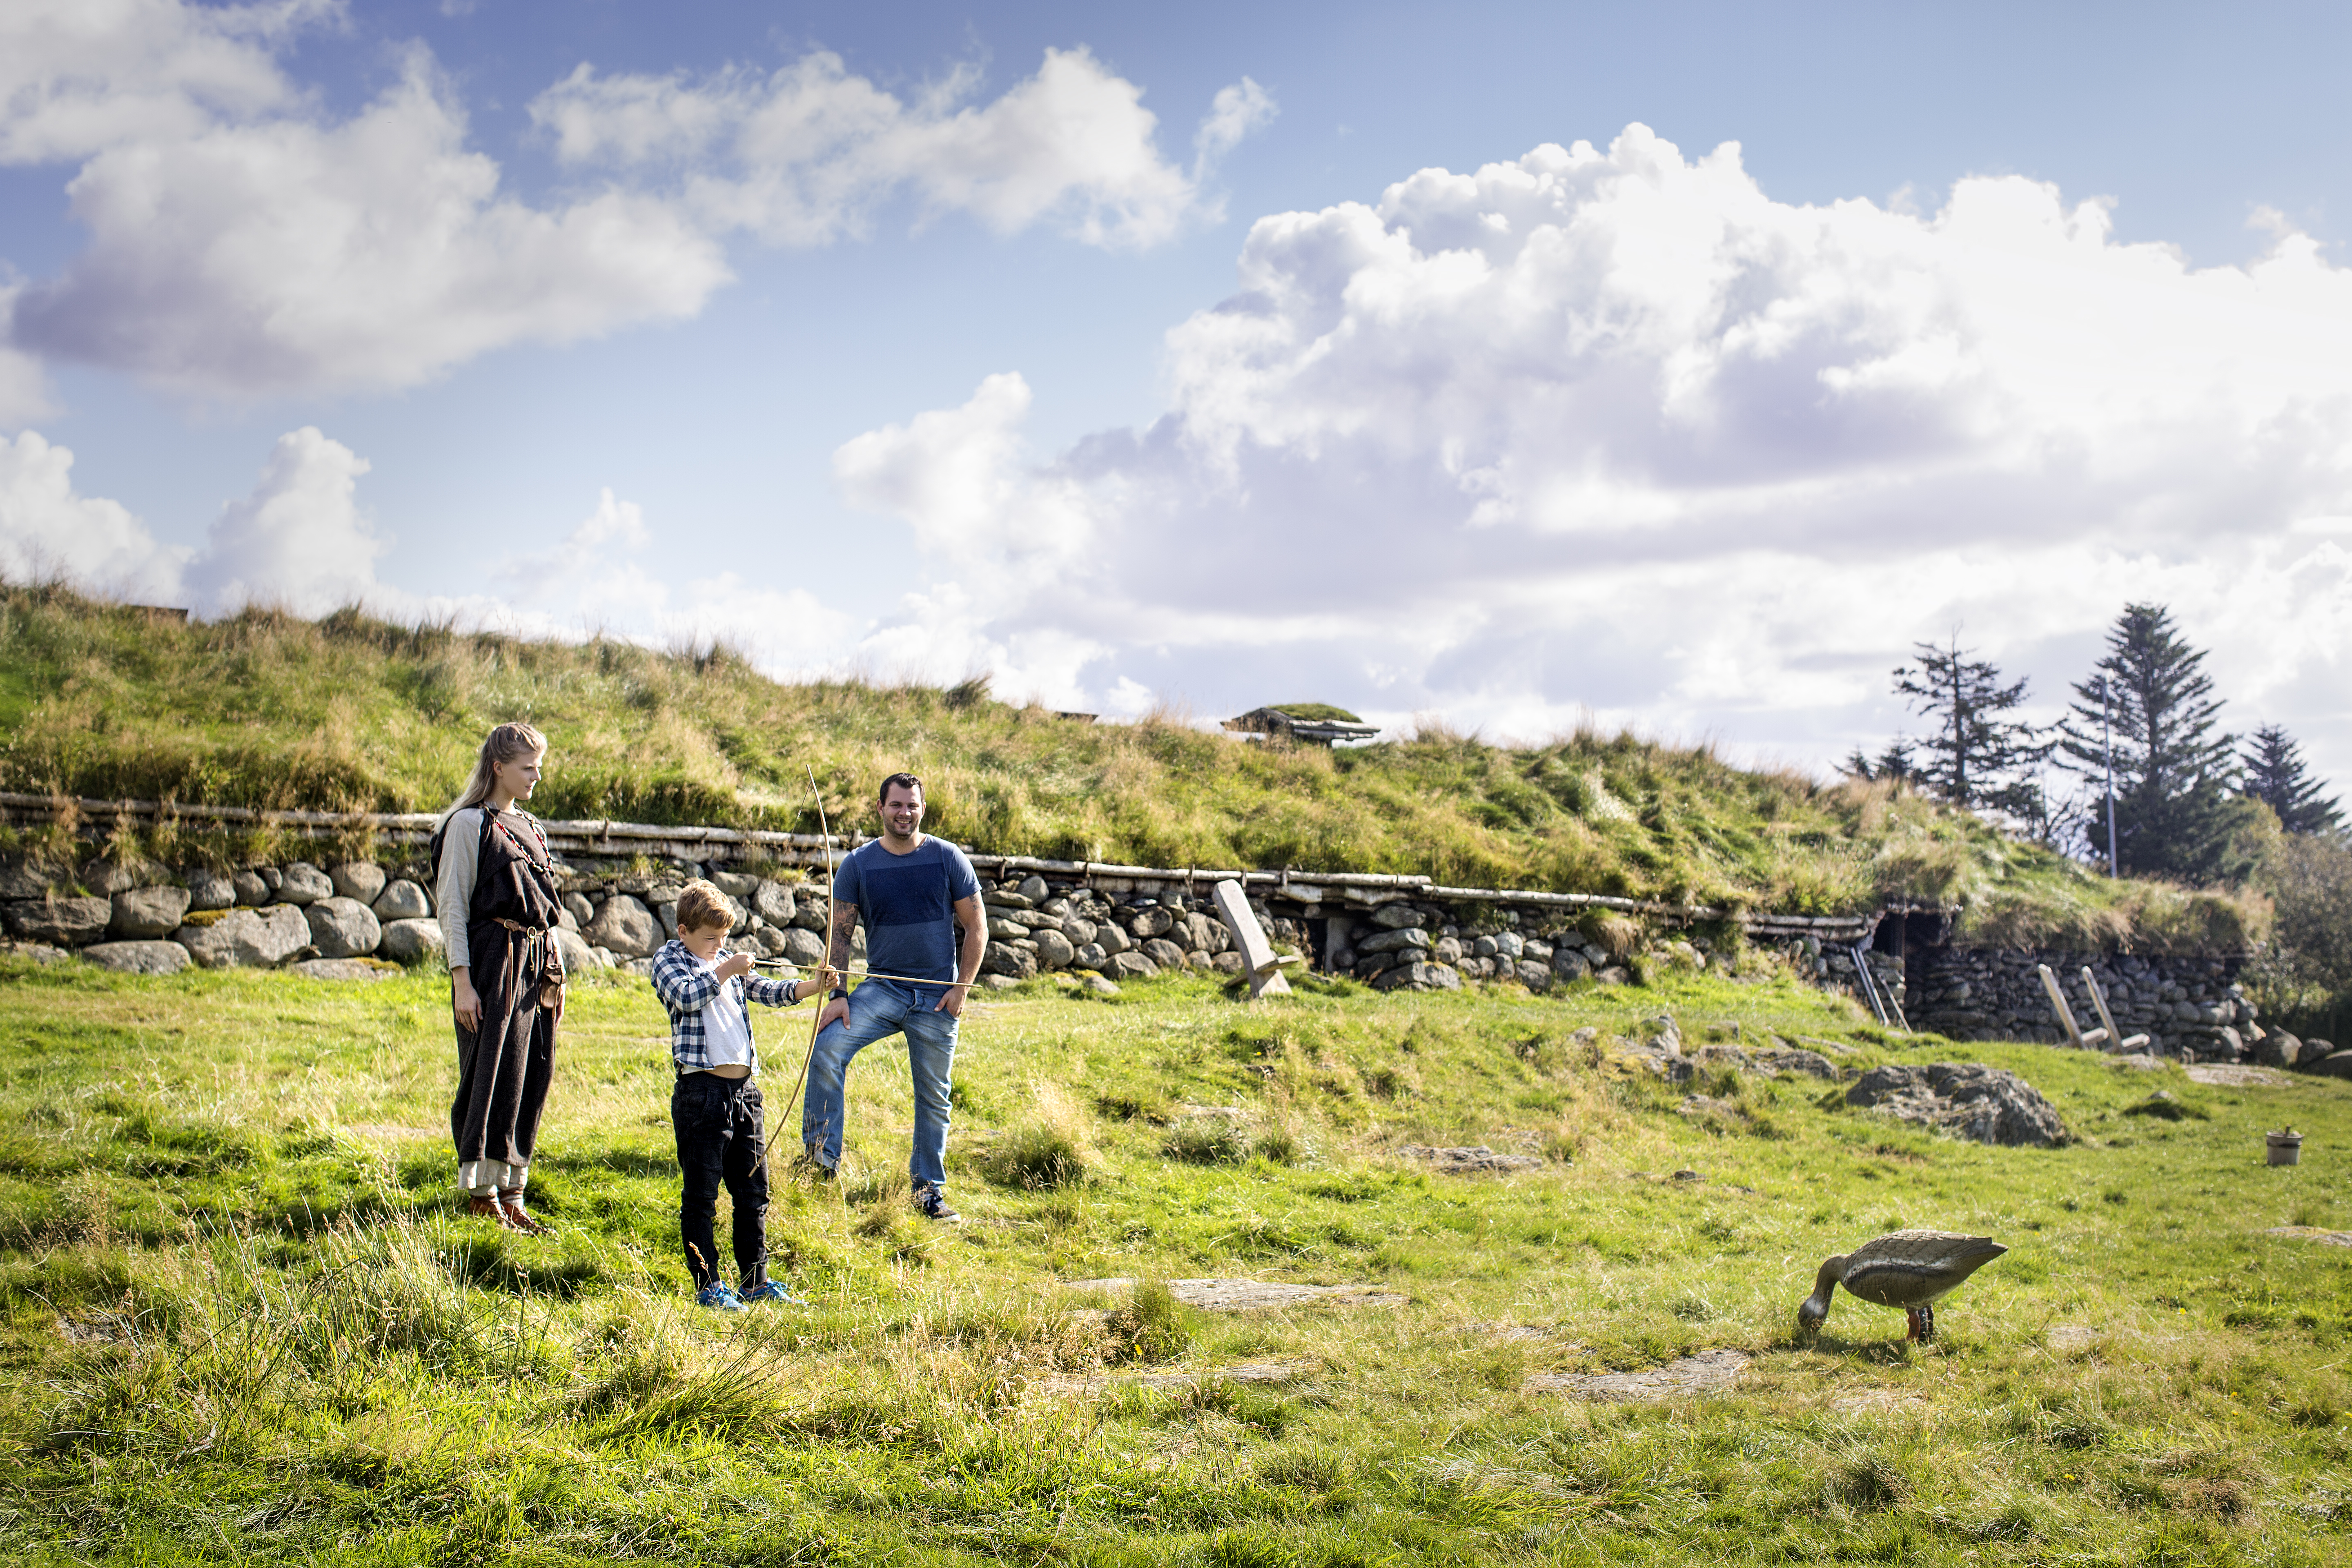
(1927, 1324)
(1910, 1322)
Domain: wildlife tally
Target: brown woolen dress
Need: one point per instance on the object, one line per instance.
(504, 1064)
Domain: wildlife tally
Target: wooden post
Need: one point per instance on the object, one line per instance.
(2066, 1015)
(2114, 1035)
(1258, 960)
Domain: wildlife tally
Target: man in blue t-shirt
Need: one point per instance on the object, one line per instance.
(913, 893)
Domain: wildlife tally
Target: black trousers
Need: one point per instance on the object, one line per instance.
(719, 1139)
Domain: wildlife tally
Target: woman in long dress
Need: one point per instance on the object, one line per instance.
(497, 902)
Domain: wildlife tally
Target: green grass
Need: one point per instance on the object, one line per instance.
(240, 1319)
(354, 714)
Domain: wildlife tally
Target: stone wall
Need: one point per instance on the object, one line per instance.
(2192, 1008)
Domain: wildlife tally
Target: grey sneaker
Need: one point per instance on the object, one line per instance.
(932, 1203)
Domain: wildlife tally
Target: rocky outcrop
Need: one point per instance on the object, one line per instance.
(1966, 1100)
(61, 921)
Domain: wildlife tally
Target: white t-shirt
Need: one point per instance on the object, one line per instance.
(726, 1025)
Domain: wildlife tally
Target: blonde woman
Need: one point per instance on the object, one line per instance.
(498, 900)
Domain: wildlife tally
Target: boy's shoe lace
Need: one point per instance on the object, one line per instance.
(720, 1298)
(932, 1203)
(769, 1290)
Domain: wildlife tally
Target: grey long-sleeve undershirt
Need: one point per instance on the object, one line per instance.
(453, 899)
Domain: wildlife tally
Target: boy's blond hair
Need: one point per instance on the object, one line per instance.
(701, 906)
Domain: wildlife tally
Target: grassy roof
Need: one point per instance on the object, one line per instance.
(350, 713)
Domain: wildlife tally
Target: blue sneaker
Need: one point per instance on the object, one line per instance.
(720, 1299)
(769, 1290)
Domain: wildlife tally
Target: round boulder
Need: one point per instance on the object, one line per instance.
(252, 892)
(1164, 953)
(624, 925)
(358, 879)
(139, 957)
(410, 941)
(403, 900)
(773, 902)
(578, 958)
(1145, 924)
(246, 938)
(804, 948)
(342, 927)
(1054, 949)
(210, 889)
(144, 914)
(303, 883)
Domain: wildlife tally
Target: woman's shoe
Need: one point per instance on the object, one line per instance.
(486, 1205)
(510, 1199)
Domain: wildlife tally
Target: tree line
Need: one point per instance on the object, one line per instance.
(2147, 781)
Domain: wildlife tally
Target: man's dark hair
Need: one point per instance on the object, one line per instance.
(898, 781)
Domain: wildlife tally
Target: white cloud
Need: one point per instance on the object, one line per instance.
(243, 241)
(299, 540)
(1612, 431)
(804, 155)
(291, 255)
(80, 76)
(48, 530)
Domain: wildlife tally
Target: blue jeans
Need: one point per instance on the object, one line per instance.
(877, 1008)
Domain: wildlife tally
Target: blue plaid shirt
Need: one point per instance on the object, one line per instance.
(683, 983)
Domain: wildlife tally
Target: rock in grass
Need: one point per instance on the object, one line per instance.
(139, 957)
(1471, 1162)
(1132, 966)
(143, 914)
(342, 927)
(1967, 1100)
(1096, 985)
(64, 922)
(402, 900)
(252, 939)
(1709, 1371)
(411, 942)
(342, 969)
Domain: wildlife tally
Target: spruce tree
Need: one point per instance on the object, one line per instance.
(2175, 812)
(1895, 763)
(2275, 775)
(1976, 755)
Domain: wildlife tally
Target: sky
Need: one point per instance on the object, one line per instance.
(1507, 366)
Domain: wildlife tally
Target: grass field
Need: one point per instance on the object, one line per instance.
(352, 714)
(243, 1321)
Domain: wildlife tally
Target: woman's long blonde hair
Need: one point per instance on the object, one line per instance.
(503, 744)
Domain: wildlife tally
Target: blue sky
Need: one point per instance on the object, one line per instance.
(1695, 443)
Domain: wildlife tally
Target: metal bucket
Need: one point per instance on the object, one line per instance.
(2285, 1148)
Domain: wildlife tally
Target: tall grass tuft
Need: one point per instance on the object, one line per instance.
(1050, 1147)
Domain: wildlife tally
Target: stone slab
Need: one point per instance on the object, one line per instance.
(1471, 1162)
(340, 969)
(2237, 1075)
(1253, 1295)
(2311, 1233)
(1709, 1371)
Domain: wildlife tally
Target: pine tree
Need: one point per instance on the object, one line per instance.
(1977, 757)
(1895, 763)
(2174, 810)
(2274, 775)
